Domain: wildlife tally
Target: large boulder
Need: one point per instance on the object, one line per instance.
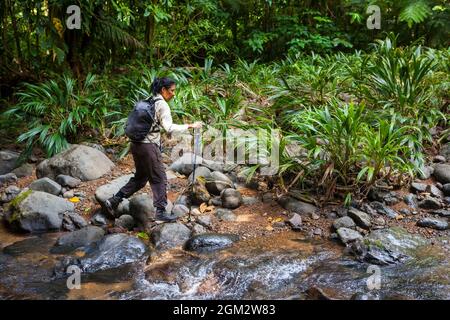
(24, 170)
(79, 238)
(106, 191)
(8, 161)
(218, 182)
(442, 173)
(142, 209)
(210, 242)
(46, 185)
(82, 162)
(231, 198)
(170, 235)
(36, 211)
(185, 164)
(297, 206)
(200, 172)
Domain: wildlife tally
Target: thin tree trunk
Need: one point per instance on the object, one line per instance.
(16, 33)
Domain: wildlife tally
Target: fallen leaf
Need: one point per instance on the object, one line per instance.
(203, 207)
(74, 199)
(269, 228)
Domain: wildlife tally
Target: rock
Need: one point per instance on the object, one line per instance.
(46, 185)
(297, 206)
(205, 221)
(218, 182)
(200, 172)
(7, 178)
(82, 162)
(142, 209)
(183, 199)
(68, 181)
(362, 296)
(68, 194)
(198, 229)
(379, 221)
(180, 210)
(231, 198)
(80, 238)
(445, 150)
(185, 164)
(8, 161)
(225, 215)
(447, 200)
(210, 242)
(434, 191)
(405, 212)
(411, 200)
(123, 208)
(36, 211)
(442, 213)
(125, 221)
(106, 191)
(268, 197)
(317, 232)
(383, 209)
(437, 224)
(170, 235)
(295, 222)
(362, 219)
(344, 222)
(426, 172)
(250, 200)
(442, 173)
(215, 201)
(99, 219)
(342, 212)
(348, 235)
(418, 187)
(315, 293)
(113, 251)
(10, 193)
(430, 203)
(439, 159)
(24, 170)
(72, 221)
(200, 193)
(95, 146)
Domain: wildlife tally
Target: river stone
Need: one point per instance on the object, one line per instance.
(200, 172)
(142, 209)
(183, 199)
(231, 198)
(106, 191)
(426, 173)
(446, 189)
(297, 206)
(381, 208)
(200, 193)
(362, 219)
(344, 222)
(250, 200)
(99, 219)
(8, 161)
(113, 251)
(430, 203)
(198, 229)
(215, 201)
(95, 146)
(24, 170)
(125, 221)
(36, 211)
(180, 210)
(79, 238)
(7, 178)
(217, 182)
(82, 162)
(170, 235)
(439, 159)
(225, 215)
(411, 200)
(442, 173)
(72, 221)
(437, 224)
(68, 181)
(10, 193)
(418, 187)
(46, 185)
(442, 212)
(68, 194)
(205, 221)
(295, 222)
(348, 235)
(210, 242)
(185, 164)
(445, 151)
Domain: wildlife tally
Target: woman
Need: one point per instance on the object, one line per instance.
(147, 154)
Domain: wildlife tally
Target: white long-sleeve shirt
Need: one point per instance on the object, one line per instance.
(164, 120)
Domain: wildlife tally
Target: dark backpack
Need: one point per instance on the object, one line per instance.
(141, 120)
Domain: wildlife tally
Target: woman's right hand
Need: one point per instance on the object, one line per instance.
(195, 125)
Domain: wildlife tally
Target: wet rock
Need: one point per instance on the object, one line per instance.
(46, 185)
(348, 235)
(198, 229)
(180, 210)
(24, 170)
(297, 206)
(68, 181)
(362, 219)
(72, 221)
(295, 222)
(383, 209)
(185, 164)
(250, 200)
(125, 221)
(82, 162)
(210, 242)
(99, 219)
(430, 203)
(200, 172)
(170, 235)
(439, 159)
(205, 221)
(231, 198)
(36, 211)
(442, 173)
(10, 193)
(442, 212)
(343, 222)
(79, 238)
(218, 182)
(142, 209)
(112, 251)
(437, 224)
(7, 178)
(411, 200)
(8, 161)
(225, 215)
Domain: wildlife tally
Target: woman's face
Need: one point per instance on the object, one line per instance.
(168, 94)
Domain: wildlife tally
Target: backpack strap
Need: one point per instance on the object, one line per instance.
(152, 101)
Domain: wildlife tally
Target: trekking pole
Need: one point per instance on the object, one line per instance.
(196, 150)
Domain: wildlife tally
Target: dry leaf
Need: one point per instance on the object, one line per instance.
(269, 228)
(74, 199)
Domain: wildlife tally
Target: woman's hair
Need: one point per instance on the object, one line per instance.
(160, 83)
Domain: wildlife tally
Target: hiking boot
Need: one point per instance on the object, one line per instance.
(161, 215)
(111, 204)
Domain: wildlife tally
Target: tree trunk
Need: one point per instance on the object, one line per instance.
(16, 33)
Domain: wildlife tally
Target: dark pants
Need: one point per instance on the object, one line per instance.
(149, 167)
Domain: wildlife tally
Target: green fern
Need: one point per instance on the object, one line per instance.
(415, 12)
